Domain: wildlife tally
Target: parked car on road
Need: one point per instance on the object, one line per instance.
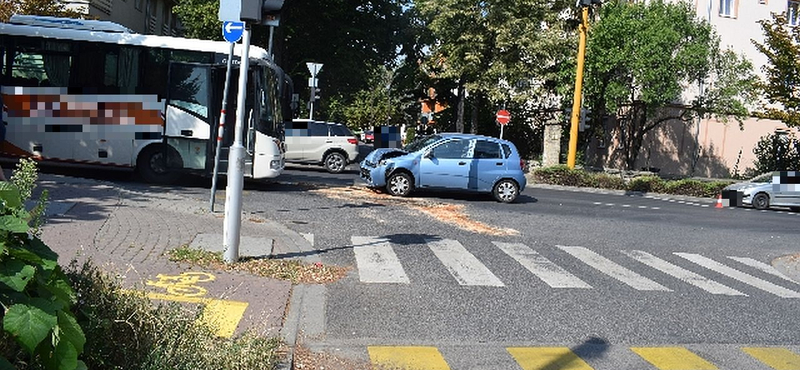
(769, 189)
(314, 142)
(449, 161)
(368, 136)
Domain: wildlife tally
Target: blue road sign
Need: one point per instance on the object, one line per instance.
(232, 31)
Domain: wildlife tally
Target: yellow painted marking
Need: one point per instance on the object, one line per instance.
(408, 358)
(673, 358)
(223, 315)
(183, 284)
(776, 358)
(547, 358)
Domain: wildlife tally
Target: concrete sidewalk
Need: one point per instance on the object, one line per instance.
(128, 232)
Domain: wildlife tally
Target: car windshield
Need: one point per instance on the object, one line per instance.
(420, 142)
(764, 177)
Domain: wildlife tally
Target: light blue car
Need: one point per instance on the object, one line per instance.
(448, 161)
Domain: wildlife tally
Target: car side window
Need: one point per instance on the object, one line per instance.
(292, 129)
(338, 130)
(317, 129)
(506, 151)
(485, 149)
(454, 149)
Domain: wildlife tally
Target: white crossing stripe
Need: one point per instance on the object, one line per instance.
(552, 274)
(740, 276)
(687, 276)
(462, 265)
(612, 269)
(763, 267)
(376, 261)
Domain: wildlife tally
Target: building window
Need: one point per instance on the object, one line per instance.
(726, 8)
(793, 12)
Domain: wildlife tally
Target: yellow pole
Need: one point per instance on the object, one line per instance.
(576, 103)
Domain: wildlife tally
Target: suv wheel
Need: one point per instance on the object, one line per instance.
(761, 201)
(335, 162)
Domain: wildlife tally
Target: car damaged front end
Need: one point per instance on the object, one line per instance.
(379, 164)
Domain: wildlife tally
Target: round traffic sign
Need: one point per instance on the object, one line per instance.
(503, 117)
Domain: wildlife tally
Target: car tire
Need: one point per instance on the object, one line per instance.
(505, 191)
(335, 162)
(399, 184)
(152, 165)
(761, 201)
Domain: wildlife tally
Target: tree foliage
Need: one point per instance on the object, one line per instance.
(782, 87)
(36, 7)
(508, 51)
(777, 152)
(643, 60)
(199, 18)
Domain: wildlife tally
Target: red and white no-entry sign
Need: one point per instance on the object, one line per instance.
(503, 117)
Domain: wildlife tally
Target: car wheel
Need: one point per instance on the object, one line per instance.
(399, 184)
(505, 191)
(761, 201)
(335, 162)
(153, 168)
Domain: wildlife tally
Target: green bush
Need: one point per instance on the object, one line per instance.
(124, 330)
(39, 329)
(562, 175)
(606, 181)
(647, 184)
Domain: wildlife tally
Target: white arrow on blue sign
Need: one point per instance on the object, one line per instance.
(232, 31)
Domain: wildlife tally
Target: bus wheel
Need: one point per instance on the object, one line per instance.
(153, 168)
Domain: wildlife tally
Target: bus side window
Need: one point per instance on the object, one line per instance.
(45, 64)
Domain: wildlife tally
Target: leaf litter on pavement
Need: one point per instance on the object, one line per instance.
(451, 214)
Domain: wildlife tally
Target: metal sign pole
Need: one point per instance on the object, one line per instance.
(221, 129)
(236, 155)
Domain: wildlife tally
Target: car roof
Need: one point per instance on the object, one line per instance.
(458, 135)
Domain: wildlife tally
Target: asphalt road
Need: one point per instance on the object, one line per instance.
(611, 299)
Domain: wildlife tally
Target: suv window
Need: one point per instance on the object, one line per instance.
(486, 149)
(317, 129)
(340, 130)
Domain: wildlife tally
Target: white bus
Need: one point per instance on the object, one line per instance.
(94, 93)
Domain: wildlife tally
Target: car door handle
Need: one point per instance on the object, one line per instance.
(462, 163)
(499, 163)
(328, 142)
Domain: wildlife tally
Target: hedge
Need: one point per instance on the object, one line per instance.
(563, 175)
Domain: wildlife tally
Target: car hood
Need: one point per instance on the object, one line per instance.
(381, 153)
(746, 185)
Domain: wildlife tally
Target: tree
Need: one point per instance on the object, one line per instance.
(777, 152)
(54, 8)
(199, 18)
(506, 51)
(782, 89)
(643, 58)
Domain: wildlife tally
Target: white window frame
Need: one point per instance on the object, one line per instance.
(727, 8)
(793, 12)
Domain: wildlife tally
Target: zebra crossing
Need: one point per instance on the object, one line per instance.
(377, 263)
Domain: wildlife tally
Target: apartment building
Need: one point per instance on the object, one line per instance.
(152, 17)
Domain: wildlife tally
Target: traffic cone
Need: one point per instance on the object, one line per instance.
(719, 201)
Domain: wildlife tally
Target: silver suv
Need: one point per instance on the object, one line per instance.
(315, 142)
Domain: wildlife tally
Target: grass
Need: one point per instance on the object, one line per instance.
(292, 270)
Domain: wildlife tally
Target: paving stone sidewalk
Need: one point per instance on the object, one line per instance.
(128, 232)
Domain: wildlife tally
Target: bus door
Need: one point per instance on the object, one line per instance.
(248, 136)
(189, 116)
